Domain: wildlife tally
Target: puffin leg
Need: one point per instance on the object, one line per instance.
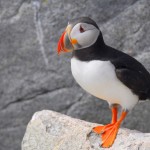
(109, 134)
(114, 109)
(100, 129)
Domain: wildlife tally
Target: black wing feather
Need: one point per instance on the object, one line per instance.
(135, 81)
(133, 75)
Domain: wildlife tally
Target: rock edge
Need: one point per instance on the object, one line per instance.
(49, 130)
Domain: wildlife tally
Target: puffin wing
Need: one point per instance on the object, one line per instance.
(134, 76)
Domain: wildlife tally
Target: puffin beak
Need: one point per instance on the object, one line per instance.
(65, 44)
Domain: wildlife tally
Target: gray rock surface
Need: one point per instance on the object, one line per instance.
(49, 130)
(33, 77)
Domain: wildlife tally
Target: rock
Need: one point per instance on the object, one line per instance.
(33, 77)
(49, 130)
(129, 31)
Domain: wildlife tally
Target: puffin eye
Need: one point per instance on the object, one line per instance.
(81, 29)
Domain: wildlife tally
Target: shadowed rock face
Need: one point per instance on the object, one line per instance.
(33, 77)
(48, 130)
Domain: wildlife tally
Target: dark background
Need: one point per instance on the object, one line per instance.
(33, 77)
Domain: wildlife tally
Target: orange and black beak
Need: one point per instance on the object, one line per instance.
(65, 43)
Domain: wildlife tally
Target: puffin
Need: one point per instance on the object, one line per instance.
(104, 72)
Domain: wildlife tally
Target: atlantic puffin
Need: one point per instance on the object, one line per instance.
(104, 72)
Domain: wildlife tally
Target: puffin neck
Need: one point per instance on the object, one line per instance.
(97, 51)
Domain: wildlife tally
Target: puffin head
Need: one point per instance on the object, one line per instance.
(80, 33)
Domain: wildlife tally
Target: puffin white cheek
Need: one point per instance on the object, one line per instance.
(88, 38)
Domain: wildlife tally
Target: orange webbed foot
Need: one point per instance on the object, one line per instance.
(109, 135)
(109, 132)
